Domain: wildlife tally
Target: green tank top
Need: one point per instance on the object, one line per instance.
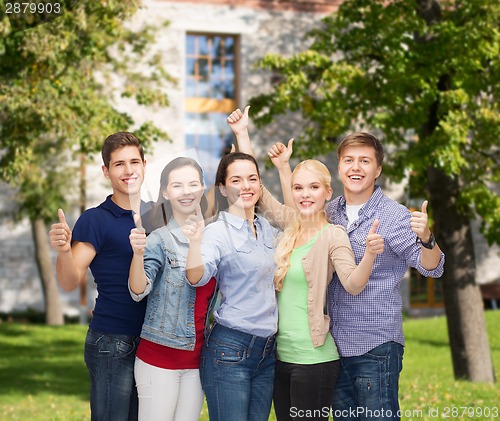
(294, 344)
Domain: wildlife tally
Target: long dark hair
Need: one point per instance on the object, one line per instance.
(221, 174)
(161, 212)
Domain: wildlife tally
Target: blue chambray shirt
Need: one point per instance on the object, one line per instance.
(362, 322)
(244, 268)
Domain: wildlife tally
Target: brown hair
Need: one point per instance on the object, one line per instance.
(161, 212)
(221, 174)
(362, 139)
(117, 141)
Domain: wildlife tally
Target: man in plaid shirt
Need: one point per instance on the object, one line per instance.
(368, 327)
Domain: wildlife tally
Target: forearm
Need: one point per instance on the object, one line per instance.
(285, 173)
(243, 141)
(194, 263)
(360, 275)
(429, 259)
(67, 273)
(137, 277)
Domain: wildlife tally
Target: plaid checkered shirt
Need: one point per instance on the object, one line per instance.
(362, 322)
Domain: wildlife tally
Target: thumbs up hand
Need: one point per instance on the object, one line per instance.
(137, 236)
(238, 121)
(374, 241)
(60, 234)
(280, 154)
(193, 228)
(419, 223)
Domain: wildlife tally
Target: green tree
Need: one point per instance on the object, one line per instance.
(61, 83)
(424, 68)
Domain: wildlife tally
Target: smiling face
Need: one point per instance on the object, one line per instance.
(184, 190)
(126, 173)
(309, 191)
(242, 185)
(358, 170)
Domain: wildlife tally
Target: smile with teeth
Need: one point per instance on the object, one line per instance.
(246, 195)
(130, 180)
(306, 203)
(186, 202)
(356, 177)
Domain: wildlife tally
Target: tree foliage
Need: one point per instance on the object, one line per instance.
(61, 84)
(62, 81)
(405, 68)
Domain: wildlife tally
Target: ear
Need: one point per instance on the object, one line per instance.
(222, 189)
(105, 171)
(379, 171)
(165, 194)
(330, 193)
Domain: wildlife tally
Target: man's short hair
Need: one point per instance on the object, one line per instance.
(362, 139)
(117, 141)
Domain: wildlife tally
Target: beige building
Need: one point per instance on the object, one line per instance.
(211, 48)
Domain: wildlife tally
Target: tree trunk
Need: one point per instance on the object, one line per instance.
(53, 309)
(470, 349)
(83, 205)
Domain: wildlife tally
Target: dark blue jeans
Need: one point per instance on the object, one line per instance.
(237, 375)
(367, 387)
(110, 362)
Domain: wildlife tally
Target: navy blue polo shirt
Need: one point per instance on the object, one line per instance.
(107, 227)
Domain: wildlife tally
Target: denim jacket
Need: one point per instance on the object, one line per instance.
(169, 317)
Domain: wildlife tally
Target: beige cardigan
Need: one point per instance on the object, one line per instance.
(330, 253)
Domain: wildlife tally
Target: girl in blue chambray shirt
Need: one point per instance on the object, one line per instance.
(168, 356)
(238, 357)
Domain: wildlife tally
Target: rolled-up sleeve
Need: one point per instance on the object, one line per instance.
(404, 243)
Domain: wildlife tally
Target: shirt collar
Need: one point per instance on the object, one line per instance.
(176, 230)
(369, 206)
(236, 221)
(116, 210)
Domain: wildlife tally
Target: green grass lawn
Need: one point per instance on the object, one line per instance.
(43, 376)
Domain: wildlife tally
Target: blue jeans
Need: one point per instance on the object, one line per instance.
(237, 374)
(367, 387)
(110, 362)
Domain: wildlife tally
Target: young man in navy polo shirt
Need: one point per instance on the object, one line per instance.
(100, 241)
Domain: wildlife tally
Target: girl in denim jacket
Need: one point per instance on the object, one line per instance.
(168, 356)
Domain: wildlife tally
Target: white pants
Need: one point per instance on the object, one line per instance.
(168, 395)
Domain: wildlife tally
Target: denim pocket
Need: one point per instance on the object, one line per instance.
(228, 355)
(175, 272)
(124, 348)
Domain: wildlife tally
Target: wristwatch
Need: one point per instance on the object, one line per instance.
(430, 244)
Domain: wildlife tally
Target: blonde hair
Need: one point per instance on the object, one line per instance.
(287, 239)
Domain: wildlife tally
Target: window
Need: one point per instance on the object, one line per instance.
(424, 291)
(211, 78)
